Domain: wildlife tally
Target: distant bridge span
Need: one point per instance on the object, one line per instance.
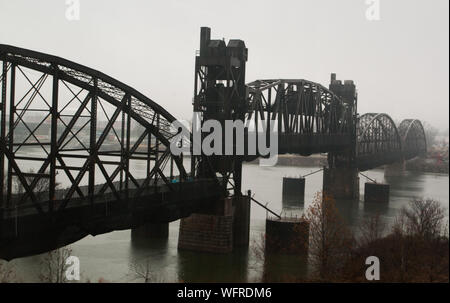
(313, 119)
(380, 141)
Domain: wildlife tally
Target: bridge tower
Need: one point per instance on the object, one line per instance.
(340, 178)
(219, 94)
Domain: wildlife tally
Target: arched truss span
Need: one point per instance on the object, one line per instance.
(413, 138)
(310, 118)
(378, 141)
(54, 111)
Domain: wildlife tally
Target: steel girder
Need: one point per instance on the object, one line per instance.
(67, 111)
(377, 133)
(304, 111)
(380, 141)
(413, 138)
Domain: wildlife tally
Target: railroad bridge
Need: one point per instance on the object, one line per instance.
(83, 153)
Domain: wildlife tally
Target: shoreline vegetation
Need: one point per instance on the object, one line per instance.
(414, 250)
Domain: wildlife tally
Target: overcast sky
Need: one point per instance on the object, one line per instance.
(399, 63)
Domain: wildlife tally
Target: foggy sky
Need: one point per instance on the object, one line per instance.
(399, 64)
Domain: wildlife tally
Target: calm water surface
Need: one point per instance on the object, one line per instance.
(109, 256)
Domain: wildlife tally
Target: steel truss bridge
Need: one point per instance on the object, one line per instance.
(82, 153)
(312, 119)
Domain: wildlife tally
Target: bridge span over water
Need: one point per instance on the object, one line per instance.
(65, 123)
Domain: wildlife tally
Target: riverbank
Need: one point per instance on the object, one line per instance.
(425, 165)
(299, 161)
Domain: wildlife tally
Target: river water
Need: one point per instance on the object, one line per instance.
(109, 256)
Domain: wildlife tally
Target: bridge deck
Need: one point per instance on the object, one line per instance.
(30, 233)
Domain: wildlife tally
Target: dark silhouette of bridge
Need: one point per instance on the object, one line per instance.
(71, 138)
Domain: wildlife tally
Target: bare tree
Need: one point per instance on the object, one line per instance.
(7, 274)
(258, 250)
(370, 230)
(142, 270)
(422, 240)
(431, 133)
(54, 265)
(330, 239)
(424, 218)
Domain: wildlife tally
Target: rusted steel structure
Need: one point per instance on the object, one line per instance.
(413, 138)
(62, 122)
(75, 125)
(380, 141)
(313, 119)
(309, 117)
(66, 111)
(220, 95)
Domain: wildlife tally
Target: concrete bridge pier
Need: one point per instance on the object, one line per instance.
(287, 236)
(376, 192)
(293, 190)
(341, 183)
(395, 170)
(241, 221)
(219, 229)
(151, 231)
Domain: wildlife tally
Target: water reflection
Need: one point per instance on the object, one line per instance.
(208, 267)
(373, 208)
(409, 183)
(141, 244)
(109, 255)
(348, 210)
(284, 268)
(293, 201)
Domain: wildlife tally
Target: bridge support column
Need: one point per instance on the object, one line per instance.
(241, 221)
(395, 169)
(211, 231)
(374, 192)
(226, 225)
(287, 235)
(151, 231)
(341, 183)
(293, 190)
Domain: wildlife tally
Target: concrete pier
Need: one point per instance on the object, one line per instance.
(293, 190)
(220, 229)
(287, 235)
(241, 221)
(341, 183)
(375, 192)
(151, 231)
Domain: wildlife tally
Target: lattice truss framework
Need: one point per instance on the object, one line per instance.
(77, 126)
(299, 106)
(378, 137)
